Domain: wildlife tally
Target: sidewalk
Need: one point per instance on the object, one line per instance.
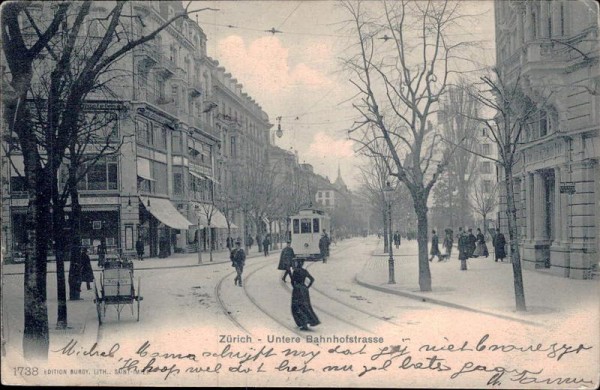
(486, 287)
(82, 317)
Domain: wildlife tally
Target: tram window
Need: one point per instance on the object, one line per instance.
(315, 225)
(305, 225)
(296, 226)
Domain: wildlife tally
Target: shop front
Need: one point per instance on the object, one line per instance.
(160, 226)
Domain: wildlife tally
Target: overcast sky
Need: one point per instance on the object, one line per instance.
(296, 74)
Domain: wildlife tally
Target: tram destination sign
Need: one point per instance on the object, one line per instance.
(567, 187)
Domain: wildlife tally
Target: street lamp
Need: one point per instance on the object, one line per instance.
(388, 193)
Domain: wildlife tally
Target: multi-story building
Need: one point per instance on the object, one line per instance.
(166, 113)
(553, 47)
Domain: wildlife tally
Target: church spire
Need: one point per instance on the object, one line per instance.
(339, 182)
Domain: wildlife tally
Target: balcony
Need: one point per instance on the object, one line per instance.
(166, 67)
(165, 103)
(195, 88)
(148, 54)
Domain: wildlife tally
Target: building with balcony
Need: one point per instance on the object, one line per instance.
(552, 47)
(171, 159)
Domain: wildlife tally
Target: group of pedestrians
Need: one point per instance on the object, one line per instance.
(469, 246)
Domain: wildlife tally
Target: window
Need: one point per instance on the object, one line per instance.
(326, 202)
(296, 226)
(160, 137)
(327, 194)
(562, 19)
(543, 122)
(316, 225)
(486, 167)
(320, 194)
(305, 225)
(486, 149)
(534, 24)
(102, 175)
(144, 133)
(159, 173)
(232, 145)
(178, 180)
(487, 186)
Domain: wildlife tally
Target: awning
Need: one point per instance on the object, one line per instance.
(198, 175)
(165, 212)
(143, 169)
(18, 163)
(217, 219)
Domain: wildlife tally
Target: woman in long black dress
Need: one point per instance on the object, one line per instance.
(301, 308)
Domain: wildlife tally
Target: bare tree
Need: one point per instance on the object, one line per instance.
(399, 88)
(484, 201)
(455, 116)
(50, 41)
(512, 111)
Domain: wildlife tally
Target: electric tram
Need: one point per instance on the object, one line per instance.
(307, 228)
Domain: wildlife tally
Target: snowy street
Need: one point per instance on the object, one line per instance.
(198, 311)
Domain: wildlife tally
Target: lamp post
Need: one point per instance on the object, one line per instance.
(388, 192)
(198, 235)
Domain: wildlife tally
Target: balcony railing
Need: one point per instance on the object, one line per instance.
(148, 54)
(167, 66)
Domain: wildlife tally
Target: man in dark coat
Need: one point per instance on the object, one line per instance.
(87, 273)
(435, 250)
(499, 244)
(397, 239)
(139, 248)
(463, 247)
(266, 243)
(472, 243)
(102, 253)
(324, 246)
(238, 259)
(286, 260)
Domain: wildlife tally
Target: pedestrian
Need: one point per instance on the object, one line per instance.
(302, 310)
(463, 247)
(266, 243)
(481, 249)
(102, 253)
(286, 260)
(324, 246)
(472, 243)
(259, 242)
(435, 250)
(397, 239)
(139, 248)
(499, 243)
(87, 273)
(238, 258)
(448, 242)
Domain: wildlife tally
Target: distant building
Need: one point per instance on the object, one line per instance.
(554, 45)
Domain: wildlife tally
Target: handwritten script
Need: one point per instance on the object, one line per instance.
(480, 360)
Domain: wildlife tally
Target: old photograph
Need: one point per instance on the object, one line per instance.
(343, 194)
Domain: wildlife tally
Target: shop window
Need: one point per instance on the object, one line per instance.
(18, 184)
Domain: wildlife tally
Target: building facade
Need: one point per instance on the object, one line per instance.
(161, 184)
(553, 46)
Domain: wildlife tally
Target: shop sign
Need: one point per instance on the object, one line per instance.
(567, 187)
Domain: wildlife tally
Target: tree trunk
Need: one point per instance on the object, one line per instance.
(35, 312)
(210, 247)
(515, 256)
(74, 267)
(58, 233)
(422, 227)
